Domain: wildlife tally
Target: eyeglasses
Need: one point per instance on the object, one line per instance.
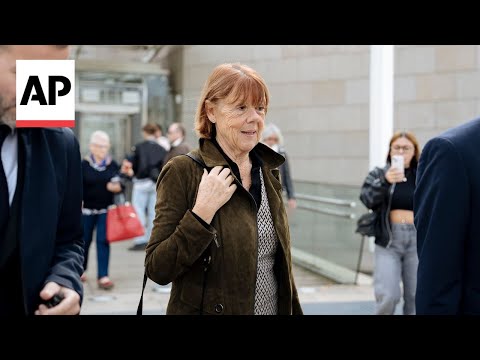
(405, 148)
(102, 146)
(271, 139)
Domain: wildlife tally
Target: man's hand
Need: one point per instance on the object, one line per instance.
(70, 305)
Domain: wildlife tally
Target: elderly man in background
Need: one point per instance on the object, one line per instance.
(176, 135)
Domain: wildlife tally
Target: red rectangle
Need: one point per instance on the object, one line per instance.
(45, 123)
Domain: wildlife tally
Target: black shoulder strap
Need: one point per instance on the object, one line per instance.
(194, 157)
(140, 303)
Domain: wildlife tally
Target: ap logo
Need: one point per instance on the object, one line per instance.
(45, 93)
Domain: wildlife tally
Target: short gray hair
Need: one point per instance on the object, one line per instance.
(272, 129)
(99, 134)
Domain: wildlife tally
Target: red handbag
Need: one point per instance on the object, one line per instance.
(123, 223)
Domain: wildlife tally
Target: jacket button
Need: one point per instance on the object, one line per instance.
(218, 308)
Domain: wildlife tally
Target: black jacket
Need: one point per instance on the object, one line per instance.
(376, 194)
(51, 234)
(95, 193)
(147, 159)
(447, 214)
(287, 183)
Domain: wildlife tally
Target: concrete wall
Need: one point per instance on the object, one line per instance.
(436, 87)
(320, 97)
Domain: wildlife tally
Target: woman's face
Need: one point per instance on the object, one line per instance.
(99, 148)
(271, 140)
(403, 146)
(239, 126)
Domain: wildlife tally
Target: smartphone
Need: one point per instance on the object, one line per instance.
(55, 300)
(398, 162)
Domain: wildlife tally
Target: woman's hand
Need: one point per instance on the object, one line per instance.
(215, 189)
(126, 168)
(394, 175)
(114, 187)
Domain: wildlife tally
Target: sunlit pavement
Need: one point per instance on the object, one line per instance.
(318, 295)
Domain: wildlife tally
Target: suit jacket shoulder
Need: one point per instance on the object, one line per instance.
(463, 134)
(64, 136)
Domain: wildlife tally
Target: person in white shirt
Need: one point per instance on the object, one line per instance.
(162, 140)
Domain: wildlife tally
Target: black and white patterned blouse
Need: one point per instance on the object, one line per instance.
(266, 296)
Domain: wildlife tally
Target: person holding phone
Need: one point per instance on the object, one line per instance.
(390, 191)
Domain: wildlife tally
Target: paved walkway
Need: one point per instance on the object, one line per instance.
(318, 295)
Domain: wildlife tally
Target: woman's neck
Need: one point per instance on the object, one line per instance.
(237, 157)
(97, 159)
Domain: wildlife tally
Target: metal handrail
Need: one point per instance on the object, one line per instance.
(327, 211)
(326, 200)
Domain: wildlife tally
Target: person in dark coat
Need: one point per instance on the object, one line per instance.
(41, 236)
(145, 165)
(272, 136)
(101, 180)
(447, 211)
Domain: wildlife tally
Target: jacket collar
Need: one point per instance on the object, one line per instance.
(107, 161)
(212, 156)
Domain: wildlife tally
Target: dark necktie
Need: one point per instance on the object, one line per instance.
(4, 203)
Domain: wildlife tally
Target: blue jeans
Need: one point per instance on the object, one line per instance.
(144, 197)
(394, 265)
(103, 247)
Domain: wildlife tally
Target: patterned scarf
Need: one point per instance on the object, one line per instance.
(102, 165)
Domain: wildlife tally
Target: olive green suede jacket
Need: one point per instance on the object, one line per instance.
(213, 271)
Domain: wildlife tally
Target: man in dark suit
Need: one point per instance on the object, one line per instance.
(41, 243)
(447, 218)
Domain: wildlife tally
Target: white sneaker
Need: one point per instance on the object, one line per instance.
(162, 289)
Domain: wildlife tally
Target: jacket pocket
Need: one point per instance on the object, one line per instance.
(191, 295)
(200, 285)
